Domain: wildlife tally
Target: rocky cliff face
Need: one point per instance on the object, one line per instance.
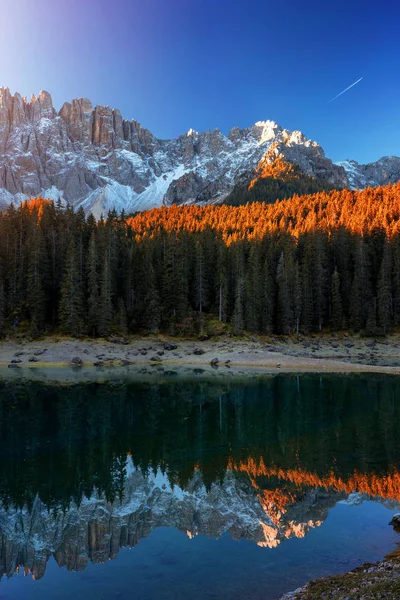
(383, 171)
(92, 158)
(96, 529)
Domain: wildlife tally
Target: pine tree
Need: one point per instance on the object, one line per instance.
(152, 313)
(200, 284)
(307, 289)
(254, 290)
(371, 325)
(93, 287)
(342, 259)
(122, 323)
(297, 297)
(268, 299)
(15, 261)
(105, 305)
(174, 281)
(222, 281)
(320, 278)
(200, 279)
(181, 279)
(361, 298)
(36, 297)
(336, 320)
(238, 316)
(71, 312)
(284, 315)
(384, 291)
(131, 258)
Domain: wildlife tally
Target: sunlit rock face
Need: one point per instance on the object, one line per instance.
(96, 528)
(93, 158)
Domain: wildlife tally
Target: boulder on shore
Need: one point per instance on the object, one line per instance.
(77, 361)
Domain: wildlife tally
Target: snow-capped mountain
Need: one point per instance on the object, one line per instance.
(93, 158)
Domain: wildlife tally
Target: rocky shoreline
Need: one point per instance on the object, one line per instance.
(324, 353)
(371, 581)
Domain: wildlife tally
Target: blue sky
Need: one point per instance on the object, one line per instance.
(175, 64)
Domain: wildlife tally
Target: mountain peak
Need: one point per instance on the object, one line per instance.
(93, 158)
(265, 131)
(267, 123)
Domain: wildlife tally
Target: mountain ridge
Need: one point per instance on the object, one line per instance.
(90, 157)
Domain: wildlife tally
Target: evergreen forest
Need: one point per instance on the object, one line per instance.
(327, 261)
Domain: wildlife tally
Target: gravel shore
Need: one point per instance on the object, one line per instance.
(317, 353)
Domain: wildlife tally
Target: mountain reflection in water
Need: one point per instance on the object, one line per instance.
(87, 469)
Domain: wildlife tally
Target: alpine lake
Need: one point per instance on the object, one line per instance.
(161, 485)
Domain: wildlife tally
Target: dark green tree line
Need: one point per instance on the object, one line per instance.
(60, 271)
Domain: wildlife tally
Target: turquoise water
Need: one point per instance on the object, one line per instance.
(175, 488)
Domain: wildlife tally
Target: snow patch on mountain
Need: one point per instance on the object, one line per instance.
(356, 179)
(153, 196)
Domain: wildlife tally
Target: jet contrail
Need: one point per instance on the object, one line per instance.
(350, 86)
